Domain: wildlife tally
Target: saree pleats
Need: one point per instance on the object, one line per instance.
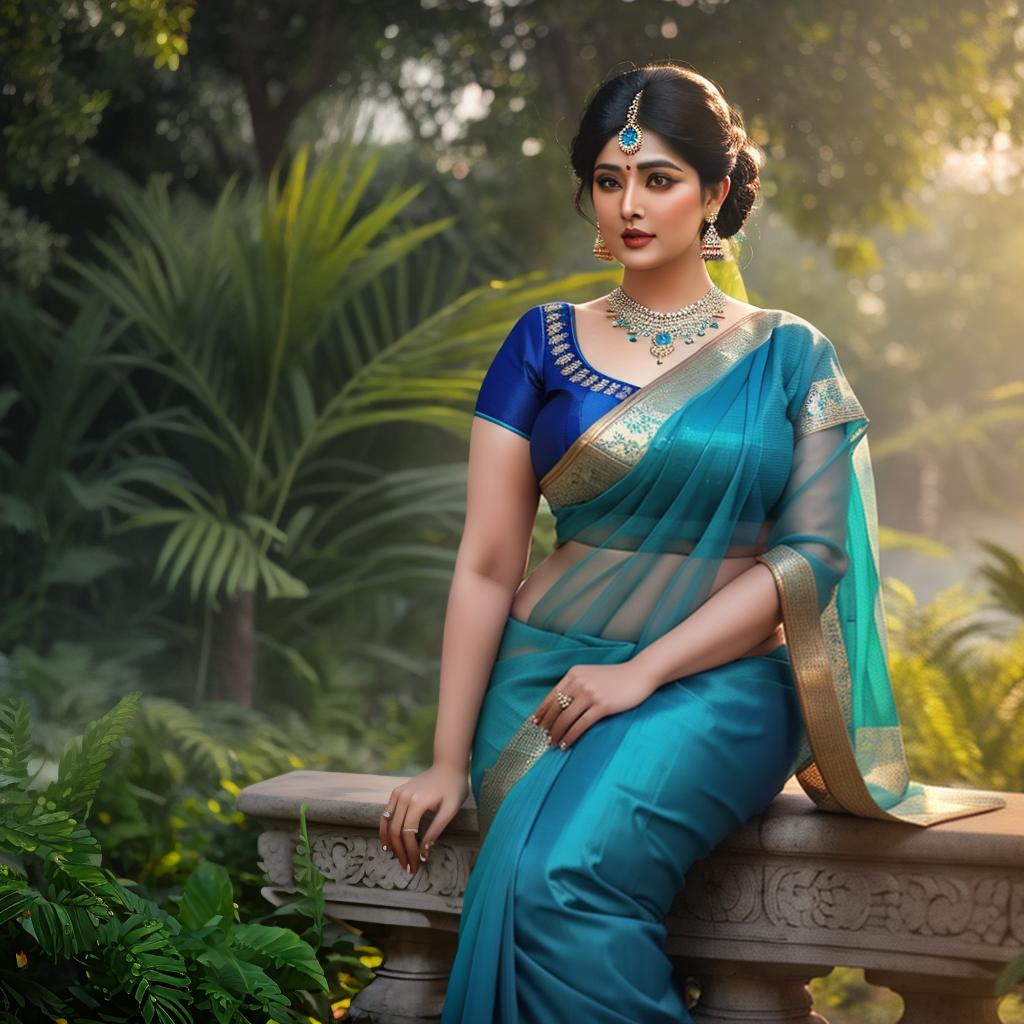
(752, 447)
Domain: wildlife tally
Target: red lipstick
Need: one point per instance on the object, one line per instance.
(636, 239)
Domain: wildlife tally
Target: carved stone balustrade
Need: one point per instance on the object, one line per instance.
(932, 913)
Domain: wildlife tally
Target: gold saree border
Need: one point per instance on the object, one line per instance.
(516, 758)
(834, 780)
(616, 441)
(829, 402)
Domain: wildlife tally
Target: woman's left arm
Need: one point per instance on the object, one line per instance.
(732, 623)
(729, 624)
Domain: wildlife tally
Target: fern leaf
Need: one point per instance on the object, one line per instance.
(81, 767)
(15, 742)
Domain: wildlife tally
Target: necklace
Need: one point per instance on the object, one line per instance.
(639, 321)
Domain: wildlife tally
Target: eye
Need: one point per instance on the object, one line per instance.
(605, 178)
(664, 177)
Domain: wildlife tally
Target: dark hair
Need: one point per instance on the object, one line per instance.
(691, 113)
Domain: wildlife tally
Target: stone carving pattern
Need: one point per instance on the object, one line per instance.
(359, 861)
(985, 910)
(275, 850)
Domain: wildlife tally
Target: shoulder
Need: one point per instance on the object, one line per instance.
(802, 343)
(801, 329)
(524, 344)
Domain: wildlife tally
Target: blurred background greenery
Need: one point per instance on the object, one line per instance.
(255, 258)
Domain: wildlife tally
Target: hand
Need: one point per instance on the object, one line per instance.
(596, 691)
(442, 788)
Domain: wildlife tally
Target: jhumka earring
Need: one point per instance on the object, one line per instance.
(711, 243)
(601, 250)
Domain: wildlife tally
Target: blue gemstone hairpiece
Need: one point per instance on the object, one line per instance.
(632, 135)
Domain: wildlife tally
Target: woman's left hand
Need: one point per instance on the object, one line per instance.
(596, 691)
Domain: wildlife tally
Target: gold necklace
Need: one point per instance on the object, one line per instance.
(640, 321)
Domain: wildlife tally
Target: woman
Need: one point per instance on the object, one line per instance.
(710, 620)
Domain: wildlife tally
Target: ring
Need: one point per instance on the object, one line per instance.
(563, 698)
(410, 830)
(386, 814)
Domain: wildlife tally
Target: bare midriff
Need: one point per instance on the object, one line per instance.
(550, 569)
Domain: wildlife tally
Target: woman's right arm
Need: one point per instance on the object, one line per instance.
(501, 505)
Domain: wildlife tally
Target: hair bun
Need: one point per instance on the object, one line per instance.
(744, 187)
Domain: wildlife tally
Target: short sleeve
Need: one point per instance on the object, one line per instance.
(823, 396)
(512, 390)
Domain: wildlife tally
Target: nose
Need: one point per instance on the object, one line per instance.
(629, 206)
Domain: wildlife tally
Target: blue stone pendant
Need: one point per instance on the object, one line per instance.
(630, 138)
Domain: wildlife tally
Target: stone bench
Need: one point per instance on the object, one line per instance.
(933, 914)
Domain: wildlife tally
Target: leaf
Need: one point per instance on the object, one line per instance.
(15, 741)
(243, 978)
(82, 565)
(81, 768)
(208, 893)
(16, 514)
(293, 962)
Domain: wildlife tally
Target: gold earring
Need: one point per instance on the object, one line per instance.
(601, 250)
(711, 243)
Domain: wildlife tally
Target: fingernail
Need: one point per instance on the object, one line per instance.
(423, 859)
(384, 848)
(408, 869)
(562, 744)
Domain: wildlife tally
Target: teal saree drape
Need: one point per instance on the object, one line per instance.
(755, 445)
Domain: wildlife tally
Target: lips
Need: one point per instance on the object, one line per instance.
(636, 239)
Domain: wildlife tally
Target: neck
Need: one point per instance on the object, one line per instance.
(670, 286)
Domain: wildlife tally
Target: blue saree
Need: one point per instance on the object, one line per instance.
(754, 445)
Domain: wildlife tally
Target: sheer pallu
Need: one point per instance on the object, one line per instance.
(755, 445)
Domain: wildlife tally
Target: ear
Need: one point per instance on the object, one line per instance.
(721, 190)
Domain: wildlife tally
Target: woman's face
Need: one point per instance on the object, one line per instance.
(654, 191)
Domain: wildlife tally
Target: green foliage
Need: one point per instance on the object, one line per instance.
(966, 689)
(63, 470)
(50, 110)
(1005, 577)
(86, 943)
(843, 997)
(309, 882)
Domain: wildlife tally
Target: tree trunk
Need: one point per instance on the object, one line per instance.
(236, 661)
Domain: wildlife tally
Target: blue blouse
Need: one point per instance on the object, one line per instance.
(540, 386)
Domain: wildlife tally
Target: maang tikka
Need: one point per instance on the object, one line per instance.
(632, 135)
(630, 139)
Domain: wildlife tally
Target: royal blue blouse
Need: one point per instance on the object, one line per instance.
(540, 385)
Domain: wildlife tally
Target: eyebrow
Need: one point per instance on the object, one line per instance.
(643, 166)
